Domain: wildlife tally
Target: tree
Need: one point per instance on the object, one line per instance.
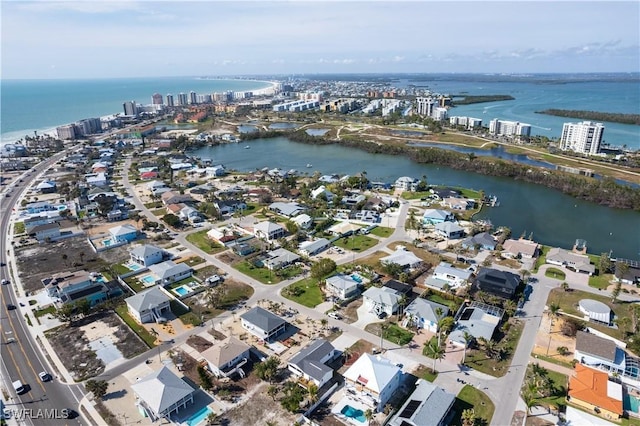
(272, 391)
(468, 417)
(445, 325)
(205, 380)
(565, 286)
(97, 387)
(392, 269)
(268, 369)
(615, 292)
(171, 219)
(322, 268)
(213, 419)
(435, 351)
(604, 265)
(571, 326)
(468, 338)
(622, 268)
(562, 350)
(530, 401)
(510, 307)
(368, 414)
(623, 324)
(312, 392)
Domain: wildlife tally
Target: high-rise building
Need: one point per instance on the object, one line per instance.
(182, 99)
(87, 126)
(156, 99)
(509, 128)
(170, 100)
(425, 106)
(66, 132)
(584, 137)
(130, 108)
(193, 97)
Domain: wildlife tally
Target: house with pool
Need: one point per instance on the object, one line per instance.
(371, 381)
(607, 355)
(123, 233)
(71, 287)
(592, 390)
(434, 216)
(342, 286)
(165, 273)
(146, 255)
(162, 394)
(428, 404)
(150, 305)
(263, 324)
(447, 275)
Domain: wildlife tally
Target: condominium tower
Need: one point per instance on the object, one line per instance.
(584, 137)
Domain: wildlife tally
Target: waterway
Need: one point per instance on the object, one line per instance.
(554, 218)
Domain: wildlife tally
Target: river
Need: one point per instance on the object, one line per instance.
(554, 218)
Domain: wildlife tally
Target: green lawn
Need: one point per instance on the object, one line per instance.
(200, 240)
(305, 292)
(356, 243)
(135, 284)
(477, 359)
(555, 273)
(408, 195)
(560, 390)
(18, 228)
(263, 275)
(452, 304)
(382, 231)
(397, 335)
(159, 212)
(194, 260)
(600, 281)
(120, 269)
(40, 312)
(541, 260)
(148, 338)
(153, 205)
(469, 193)
(470, 397)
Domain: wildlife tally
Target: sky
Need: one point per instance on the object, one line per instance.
(118, 38)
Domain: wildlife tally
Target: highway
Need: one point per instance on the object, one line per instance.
(41, 403)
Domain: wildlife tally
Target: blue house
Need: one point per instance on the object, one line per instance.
(484, 240)
(123, 233)
(433, 216)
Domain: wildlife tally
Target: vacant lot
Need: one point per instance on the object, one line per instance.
(41, 261)
(260, 409)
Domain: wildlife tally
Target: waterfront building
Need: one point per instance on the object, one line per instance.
(468, 122)
(156, 99)
(193, 98)
(425, 106)
(584, 137)
(509, 128)
(130, 108)
(182, 99)
(87, 126)
(66, 132)
(170, 101)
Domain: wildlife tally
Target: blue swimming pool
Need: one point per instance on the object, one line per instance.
(356, 278)
(148, 279)
(631, 403)
(199, 417)
(182, 290)
(134, 266)
(353, 413)
(106, 243)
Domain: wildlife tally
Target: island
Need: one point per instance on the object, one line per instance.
(611, 117)
(478, 99)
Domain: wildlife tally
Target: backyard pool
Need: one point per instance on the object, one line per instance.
(148, 279)
(631, 403)
(353, 413)
(106, 243)
(199, 417)
(183, 290)
(134, 266)
(357, 278)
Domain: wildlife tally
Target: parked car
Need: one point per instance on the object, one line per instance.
(334, 315)
(382, 315)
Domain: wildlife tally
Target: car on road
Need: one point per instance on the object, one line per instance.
(5, 281)
(44, 376)
(10, 307)
(70, 413)
(334, 315)
(382, 315)
(18, 386)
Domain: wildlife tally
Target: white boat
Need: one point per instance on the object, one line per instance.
(309, 165)
(247, 147)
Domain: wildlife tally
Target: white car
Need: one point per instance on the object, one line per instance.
(334, 315)
(44, 376)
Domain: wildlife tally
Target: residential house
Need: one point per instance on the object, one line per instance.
(402, 257)
(425, 314)
(262, 323)
(483, 240)
(627, 275)
(520, 248)
(44, 232)
(279, 258)
(46, 187)
(378, 300)
(499, 283)
(96, 179)
(162, 393)
(227, 356)
(229, 206)
(269, 230)
(156, 184)
(428, 405)
(605, 354)
(377, 203)
(344, 229)
(407, 183)
(34, 221)
(311, 248)
(342, 286)
(173, 197)
(322, 192)
(175, 209)
(457, 203)
(310, 364)
(352, 200)
(434, 216)
(447, 275)
(287, 209)
(146, 255)
(370, 216)
(477, 319)
(592, 390)
(70, 287)
(152, 305)
(169, 272)
(449, 230)
(149, 175)
(399, 287)
(440, 193)
(215, 171)
(373, 379)
(39, 207)
(303, 221)
(574, 261)
(190, 215)
(123, 233)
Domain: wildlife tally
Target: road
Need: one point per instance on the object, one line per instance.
(22, 359)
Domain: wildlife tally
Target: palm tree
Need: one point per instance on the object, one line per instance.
(468, 338)
(554, 310)
(439, 318)
(312, 392)
(468, 417)
(402, 301)
(530, 401)
(368, 414)
(435, 351)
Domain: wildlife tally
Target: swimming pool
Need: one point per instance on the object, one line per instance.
(148, 279)
(134, 266)
(356, 278)
(106, 243)
(183, 290)
(199, 417)
(631, 403)
(353, 413)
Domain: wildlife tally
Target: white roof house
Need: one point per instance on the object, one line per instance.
(149, 305)
(574, 261)
(269, 230)
(378, 300)
(146, 254)
(287, 209)
(303, 221)
(402, 257)
(450, 230)
(310, 248)
(423, 314)
(322, 190)
(479, 320)
(342, 286)
(445, 274)
(162, 393)
(374, 376)
(279, 258)
(126, 232)
(169, 272)
(433, 216)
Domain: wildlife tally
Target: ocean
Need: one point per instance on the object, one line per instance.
(40, 105)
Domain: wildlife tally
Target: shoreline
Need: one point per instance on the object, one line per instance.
(15, 135)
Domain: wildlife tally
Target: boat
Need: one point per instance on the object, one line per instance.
(247, 147)
(309, 165)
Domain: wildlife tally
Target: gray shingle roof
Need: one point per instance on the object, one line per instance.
(591, 344)
(147, 299)
(263, 319)
(161, 389)
(308, 359)
(428, 405)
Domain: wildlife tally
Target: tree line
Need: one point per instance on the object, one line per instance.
(594, 115)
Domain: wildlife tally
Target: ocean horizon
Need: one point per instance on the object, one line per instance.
(42, 105)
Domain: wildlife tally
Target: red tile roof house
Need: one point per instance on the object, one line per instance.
(149, 175)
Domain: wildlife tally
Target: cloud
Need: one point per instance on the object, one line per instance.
(84, 6)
